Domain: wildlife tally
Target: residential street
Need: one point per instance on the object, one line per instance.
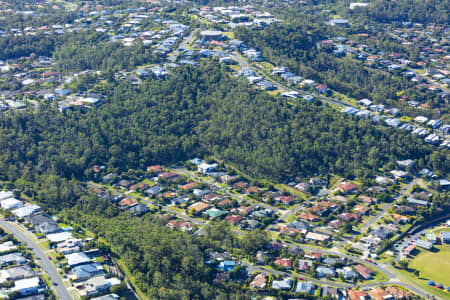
(233, 196)
(382, 268)
(47, 265)
(387, 206)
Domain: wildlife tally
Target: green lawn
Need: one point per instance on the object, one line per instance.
(291, 190)
(434, 265)
(421, 283)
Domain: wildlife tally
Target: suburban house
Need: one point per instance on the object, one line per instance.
(188, 186)
(347, 273)
(284, 284)
(169, 176)
(298, 225)
(233, 219)
(347, 187)
(259, 282)
(357, 295)
(25, 287)
(349, 217)
(380, 294)
(362, 210)
(335, 224)
(304, 264)
(316, 236)
(364, 271)
(305, 215)
(70, 245)
(139, 209)
(16, 273)
(313, 255)
(205, 168)
(78, 258)
(285, 199)
(284, 262)
(227, 265)
(382, 233)
(154, 169)
(305, 287)
(96, 285)
(398, 293)
(12, 259)
(329, 292)
(84, 272)
(26, 211)
(198, 207)
(42, 223)
(10, 203)
(445, 236)
(323, 271)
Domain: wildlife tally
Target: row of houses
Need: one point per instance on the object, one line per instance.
(18, 277)
(87, 276)
(261, 280)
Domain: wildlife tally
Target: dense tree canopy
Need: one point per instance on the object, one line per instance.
(200, 111)
(430, 11)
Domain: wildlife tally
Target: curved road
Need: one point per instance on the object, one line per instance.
(46, 264)
(381, 268)
(251, 268)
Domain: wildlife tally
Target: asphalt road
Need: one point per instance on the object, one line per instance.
(186, 40)
(252, 268)
(387, 206)
(379, 267)
(42, 259)
(280, 85)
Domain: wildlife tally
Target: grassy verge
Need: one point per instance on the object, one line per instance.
(131, 279)
(421, 283)
(291, 190)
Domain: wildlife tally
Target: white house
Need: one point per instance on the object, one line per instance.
(206, 168)
(11, 203)
(5, 195)
(26, 211)
(75, 259)
(27, 286)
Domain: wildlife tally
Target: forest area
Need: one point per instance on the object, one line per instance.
(196, 112)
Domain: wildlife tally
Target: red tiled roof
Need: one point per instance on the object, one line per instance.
(188, 186)
(127, 202)
(363, 271)
(234, 219)
(356, 294)
(154, 169)
(347, 186)
(285, 262)
(305, 215)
